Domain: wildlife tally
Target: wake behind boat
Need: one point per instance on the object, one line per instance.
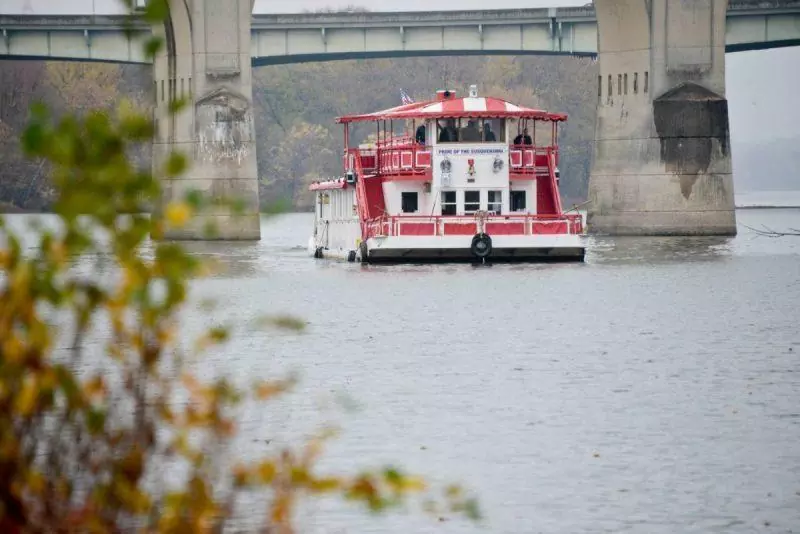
(466, 179)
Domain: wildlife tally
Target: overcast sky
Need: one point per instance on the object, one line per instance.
(760, 84)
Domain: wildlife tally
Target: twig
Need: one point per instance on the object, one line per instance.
(769, 232)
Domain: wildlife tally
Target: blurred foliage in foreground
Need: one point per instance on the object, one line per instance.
(87, 450)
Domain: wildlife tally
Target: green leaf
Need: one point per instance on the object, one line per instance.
(33, 139)
(95, 421)
(178, 104)
(137, 127)
(39, 112)
(156, 11)
(176, 164)
(194, 198)
(152, 47)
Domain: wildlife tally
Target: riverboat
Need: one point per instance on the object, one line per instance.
(450, 179)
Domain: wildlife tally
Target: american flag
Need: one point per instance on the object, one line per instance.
(405, 98)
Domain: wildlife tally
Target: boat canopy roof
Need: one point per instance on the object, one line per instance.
(470, 107)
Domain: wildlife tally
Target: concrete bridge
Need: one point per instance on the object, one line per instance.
(276, 39)
(661, 164)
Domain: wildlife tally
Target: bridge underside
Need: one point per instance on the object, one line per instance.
(274, 42)
(266, 61)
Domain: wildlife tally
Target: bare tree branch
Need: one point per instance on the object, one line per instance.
(769, 232)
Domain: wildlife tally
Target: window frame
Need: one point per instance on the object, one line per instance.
(498, 202)
(472, 203)
(407, 194)
(454, 203)
(518, 192)
(498, 126)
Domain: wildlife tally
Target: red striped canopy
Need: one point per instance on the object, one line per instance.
(474, 107)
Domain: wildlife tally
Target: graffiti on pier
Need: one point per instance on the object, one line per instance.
(224, 127)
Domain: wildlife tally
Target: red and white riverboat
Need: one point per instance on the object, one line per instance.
(451, 179)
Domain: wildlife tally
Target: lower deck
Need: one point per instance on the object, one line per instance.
(405, 239)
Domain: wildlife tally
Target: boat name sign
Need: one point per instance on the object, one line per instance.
(472, 151)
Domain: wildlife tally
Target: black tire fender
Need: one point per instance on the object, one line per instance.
(481, 246)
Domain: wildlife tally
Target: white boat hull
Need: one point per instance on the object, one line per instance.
(340, 245)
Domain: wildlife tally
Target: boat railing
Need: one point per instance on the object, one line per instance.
(397, 140)
(529, 159)
(409, 158)
(462, 225)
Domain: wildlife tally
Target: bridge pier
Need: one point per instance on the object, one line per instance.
(207, 61)
(662, 160)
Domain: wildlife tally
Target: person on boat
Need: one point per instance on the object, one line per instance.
(421, 134)
(488, 134)
(471, 133)
(448, 133)
(523, 138)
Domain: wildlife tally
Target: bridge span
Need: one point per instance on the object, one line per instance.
(661, 165)
(277, 39)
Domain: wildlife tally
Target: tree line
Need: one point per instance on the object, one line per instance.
(295, 107)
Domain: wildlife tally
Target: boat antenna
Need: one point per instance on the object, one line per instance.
(445, 78)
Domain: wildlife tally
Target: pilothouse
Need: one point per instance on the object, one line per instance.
(450, 179)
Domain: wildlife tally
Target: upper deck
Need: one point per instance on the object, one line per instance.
(453, 157)
(523, 139)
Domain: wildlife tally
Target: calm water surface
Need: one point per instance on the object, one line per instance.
(653, 389)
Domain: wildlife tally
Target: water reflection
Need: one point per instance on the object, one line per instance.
(627, 250)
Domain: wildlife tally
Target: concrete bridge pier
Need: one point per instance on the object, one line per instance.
(207, 61)
(662, 159)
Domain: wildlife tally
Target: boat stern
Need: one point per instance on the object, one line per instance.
(475, 248)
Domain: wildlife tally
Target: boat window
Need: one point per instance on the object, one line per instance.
(494, 130)
(409, 202)
(495, 201)
(469, 130)
(447, 130)
(448, 202)
(518, 201)
(472, 201)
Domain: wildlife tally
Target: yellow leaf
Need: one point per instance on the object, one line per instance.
(58, 253)
(414, 484)
(266, 472)
(453, 492)
(267, 390)
(35, 482)
(12, 349)
(325, 485)
(165, 335)
(95, 388)
(240, 475)
(178, 213)
(26, 401)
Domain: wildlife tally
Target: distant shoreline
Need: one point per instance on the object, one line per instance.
(768, 207)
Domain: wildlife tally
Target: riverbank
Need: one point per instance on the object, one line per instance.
(6, 207)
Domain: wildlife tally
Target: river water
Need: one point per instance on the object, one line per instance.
(653, 389)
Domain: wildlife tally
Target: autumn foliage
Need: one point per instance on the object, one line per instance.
(88, 431)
